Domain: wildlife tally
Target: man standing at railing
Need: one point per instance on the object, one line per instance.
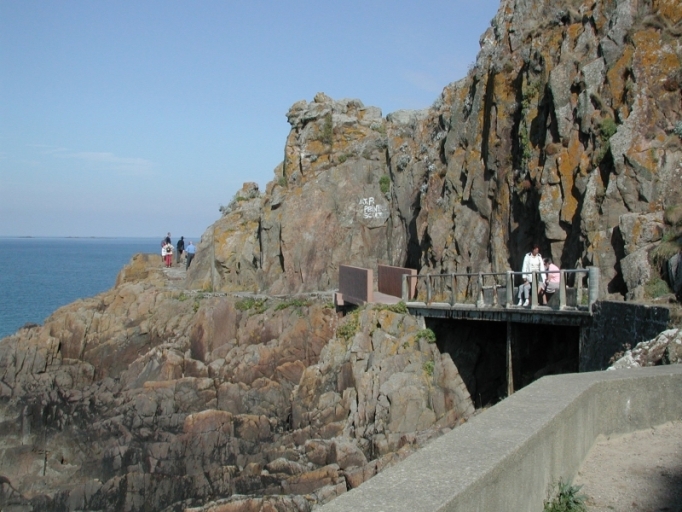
(532, 262)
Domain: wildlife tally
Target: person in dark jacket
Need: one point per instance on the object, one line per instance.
(181, 248)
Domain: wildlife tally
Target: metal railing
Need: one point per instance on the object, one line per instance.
(496, 289)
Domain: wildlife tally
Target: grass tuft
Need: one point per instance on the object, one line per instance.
(400, 307)
(350, 327)
(292, 303)
(385, 184)
(567, 499)
(250, 303)
(427, 334)
(656, 287)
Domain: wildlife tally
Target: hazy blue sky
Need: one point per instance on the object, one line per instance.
(126, 118)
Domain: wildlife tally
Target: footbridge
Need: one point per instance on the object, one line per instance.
(490, 296)
(478, 313)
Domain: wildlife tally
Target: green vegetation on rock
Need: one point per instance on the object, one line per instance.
(251, 303)
(656, 287)
(567, 499)
(400, 307)
(427, 334)
(348, 329)
(293, 303)
(385, 184)
(327, 135)
(608, 128)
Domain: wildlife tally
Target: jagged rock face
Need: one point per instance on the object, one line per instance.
(666, 348)
(153, 397)
(565, 123)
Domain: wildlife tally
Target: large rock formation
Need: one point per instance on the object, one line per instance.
(666, 348)
(150, 397)
(566, 123)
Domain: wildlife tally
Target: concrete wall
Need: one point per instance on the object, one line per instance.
(508, 457)
(613, 325)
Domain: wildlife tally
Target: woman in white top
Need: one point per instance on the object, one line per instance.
(168, 254)
(532, 262)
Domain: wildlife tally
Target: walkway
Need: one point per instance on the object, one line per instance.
(641, 471)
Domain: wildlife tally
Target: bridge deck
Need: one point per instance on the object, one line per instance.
(536, 315)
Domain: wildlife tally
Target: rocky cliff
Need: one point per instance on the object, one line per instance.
(153, 397)
(566, 132)
(168, 395)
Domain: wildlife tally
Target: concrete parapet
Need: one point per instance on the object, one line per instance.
(508, 457)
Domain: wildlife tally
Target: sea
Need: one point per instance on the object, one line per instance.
(39, 275)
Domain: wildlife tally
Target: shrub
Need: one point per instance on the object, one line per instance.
(567, 499)
(656, 287)
(327, 135)
(427, 334)
(668, 247)
(292, 303)
(249, 303)
(342, 158)
(608, 128)
(400, 307)
(385, 184)
(524, 146)
(350, 327)
(428, 368)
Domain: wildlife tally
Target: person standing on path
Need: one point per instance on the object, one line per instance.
(168, 239)
(168, 252)
(532, 262)
(191, 251)
(181, 248)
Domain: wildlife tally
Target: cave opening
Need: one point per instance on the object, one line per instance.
(479, 350)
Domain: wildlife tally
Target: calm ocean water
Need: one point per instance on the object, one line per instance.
(43, 274)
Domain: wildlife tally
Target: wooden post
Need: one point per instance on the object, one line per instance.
(562, 289)
(405, 286)
(428, 289)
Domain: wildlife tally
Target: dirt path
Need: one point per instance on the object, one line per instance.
(638, 472)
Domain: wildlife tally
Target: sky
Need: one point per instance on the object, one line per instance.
(131, 119)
